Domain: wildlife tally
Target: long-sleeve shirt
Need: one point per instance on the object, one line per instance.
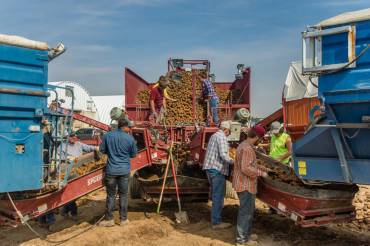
(217, 154)
(120, 147)
(73, 150)
(208, 90)
(245, 169)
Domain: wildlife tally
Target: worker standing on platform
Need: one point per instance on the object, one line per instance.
(120, 147)
(245, 177)
(216, 164)
(280, 144)
(158, 97)
(211, 98)
(73, 149)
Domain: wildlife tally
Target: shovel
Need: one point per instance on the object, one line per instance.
(181, 216)
(164, 181)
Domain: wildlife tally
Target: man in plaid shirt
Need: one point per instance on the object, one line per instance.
(209, 94)
(245, 177)
(216, 163)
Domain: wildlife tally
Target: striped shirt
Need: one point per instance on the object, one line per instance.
(217, 154)
(245, 169)
(208, 90)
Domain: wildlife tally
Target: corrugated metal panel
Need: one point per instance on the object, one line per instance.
(83, 101)
(296, 115)
(105, 103)
(297, 111)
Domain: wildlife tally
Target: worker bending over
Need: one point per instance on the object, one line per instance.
(280, 144)
(120, 147)
(211, 98)
(245, 177)
(71, 150)
(158, 97)
(216, 164)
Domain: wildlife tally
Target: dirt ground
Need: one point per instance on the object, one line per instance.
(148, 228)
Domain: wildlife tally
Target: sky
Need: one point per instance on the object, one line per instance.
(105, 36)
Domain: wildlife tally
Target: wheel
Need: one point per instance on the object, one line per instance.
(134, 189)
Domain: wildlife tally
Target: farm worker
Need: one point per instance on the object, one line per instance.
(165, 92)
(47, 219)
(120, 147)
(245, 184)
(216, 164)
(158, 97)
(71, 150)
(281, 143)
(210, 96)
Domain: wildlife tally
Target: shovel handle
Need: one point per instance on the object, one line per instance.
(175, 179)
(164, 180)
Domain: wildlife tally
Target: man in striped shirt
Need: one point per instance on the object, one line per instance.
(209, 94)
(216, 164)
(245, 177)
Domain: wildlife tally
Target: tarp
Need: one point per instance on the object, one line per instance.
(22, 42)
(298, 86)
(348, 17)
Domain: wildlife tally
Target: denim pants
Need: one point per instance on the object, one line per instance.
(245, 216)
(112, 182)
(213, 104)
(48, 218)
(70, 207)
(218, 183)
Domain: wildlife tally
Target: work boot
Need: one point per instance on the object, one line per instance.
(107, 223)
(64, 214)
(220, 226)
(74, 218)
(124, 222)
(251, 243)
(253, 237)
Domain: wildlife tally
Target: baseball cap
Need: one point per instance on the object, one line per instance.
(259, 130)
(275, 127)
(225, 124)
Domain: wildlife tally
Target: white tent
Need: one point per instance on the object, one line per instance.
(298, 86)
(347, 17)
(104, 104)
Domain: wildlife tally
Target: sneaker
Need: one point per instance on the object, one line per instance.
(124, 222)
(253, 237)
(107, 223)
(220, 226)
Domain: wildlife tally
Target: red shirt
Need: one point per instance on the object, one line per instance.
(246, 171)
(157, 95)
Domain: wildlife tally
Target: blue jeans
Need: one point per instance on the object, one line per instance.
(213, 104)
(245, 216)
(48, 218)
(218, 183)
(70, 207)
(112, 182)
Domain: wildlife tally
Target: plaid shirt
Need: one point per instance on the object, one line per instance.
(208, 90)
(217, 154)
(245, 169)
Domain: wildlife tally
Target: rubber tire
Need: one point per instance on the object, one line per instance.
(134, 189)
(229, 191)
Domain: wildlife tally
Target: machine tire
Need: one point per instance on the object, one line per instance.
(134, 188)
(229, 191)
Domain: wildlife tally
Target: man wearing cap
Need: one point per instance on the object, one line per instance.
(216, 164)
(158, 97)
(120, 147)
(245, 177)
(71, 150)
(280, 144)
(210, 96)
